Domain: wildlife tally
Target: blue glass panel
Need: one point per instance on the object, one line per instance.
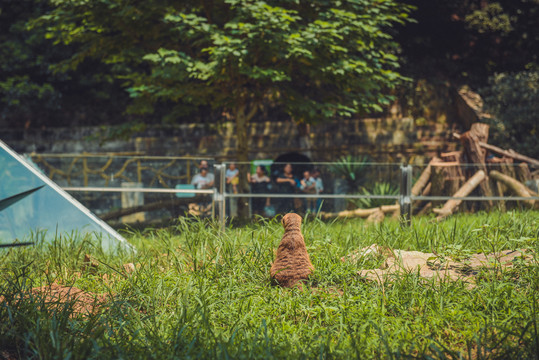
(48, 210)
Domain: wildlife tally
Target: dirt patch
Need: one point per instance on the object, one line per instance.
(430, 265)
(56, 296)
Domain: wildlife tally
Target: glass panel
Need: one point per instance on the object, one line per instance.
(48, 210)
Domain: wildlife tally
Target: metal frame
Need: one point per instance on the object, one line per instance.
(220, 195)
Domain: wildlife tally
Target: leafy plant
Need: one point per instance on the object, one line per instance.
(379, 189)
(352, 169)
(318, 60)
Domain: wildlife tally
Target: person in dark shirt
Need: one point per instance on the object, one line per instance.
(260, 184)
(286, 184)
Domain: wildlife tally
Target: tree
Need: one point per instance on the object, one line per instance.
(316, 59)
(35, 90)
(513, 101)
(467, 41)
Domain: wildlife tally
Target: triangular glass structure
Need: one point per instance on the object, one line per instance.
(33, 203)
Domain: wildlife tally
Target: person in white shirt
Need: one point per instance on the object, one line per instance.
(204, 179)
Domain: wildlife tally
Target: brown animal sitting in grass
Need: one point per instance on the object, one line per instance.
(292, 263)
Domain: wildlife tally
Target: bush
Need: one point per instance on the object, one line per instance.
(352, 169)
(379, 189)
(513, 102)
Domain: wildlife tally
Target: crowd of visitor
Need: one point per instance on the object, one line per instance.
(283, 180)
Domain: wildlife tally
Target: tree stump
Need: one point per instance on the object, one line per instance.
(471, 140)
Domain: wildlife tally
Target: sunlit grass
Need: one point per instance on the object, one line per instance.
(198, 292)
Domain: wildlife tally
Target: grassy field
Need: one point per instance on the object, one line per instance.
(197, 292)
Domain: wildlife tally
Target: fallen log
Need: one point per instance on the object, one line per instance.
(523, 172)
(363, 213)
(376, 217)
(508, 153)
(516, 186)
(424, 177)
(465, 190)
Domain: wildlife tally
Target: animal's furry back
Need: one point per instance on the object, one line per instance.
(292, 262)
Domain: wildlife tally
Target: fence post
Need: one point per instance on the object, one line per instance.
(405, 200)
(220, 194)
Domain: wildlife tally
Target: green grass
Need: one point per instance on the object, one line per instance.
(202, 293)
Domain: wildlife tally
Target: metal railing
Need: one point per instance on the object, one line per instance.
(156, 177)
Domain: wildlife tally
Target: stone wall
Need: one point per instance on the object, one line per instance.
(384, 139)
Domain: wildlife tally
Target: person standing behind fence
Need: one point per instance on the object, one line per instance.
(307, 185)
(232, 181)
(232, 177)
(203, 180)
(260, 184)
(319, 188)
(286, 184)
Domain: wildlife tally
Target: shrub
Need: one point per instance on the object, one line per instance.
(513, 101)
(379, 189)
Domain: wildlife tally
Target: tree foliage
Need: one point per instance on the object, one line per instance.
(317, 59)
(85, 62)
(513, 101)
(34, 90)
(467, 41)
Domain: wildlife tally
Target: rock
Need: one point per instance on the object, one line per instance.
(129, 268)
(430, 265)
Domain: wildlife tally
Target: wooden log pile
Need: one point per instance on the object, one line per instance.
(479, 169)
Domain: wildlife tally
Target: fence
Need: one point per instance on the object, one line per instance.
(137, 188)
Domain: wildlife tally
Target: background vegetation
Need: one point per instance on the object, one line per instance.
(198, 292)
(125, 62)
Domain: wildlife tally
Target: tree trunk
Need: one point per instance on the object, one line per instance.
(305, 145)
(242, 153)
(420, 204)
(505, 166)
(465, 190)
(437, 181)
(507, 153)
(510, 153)
(455, 174)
